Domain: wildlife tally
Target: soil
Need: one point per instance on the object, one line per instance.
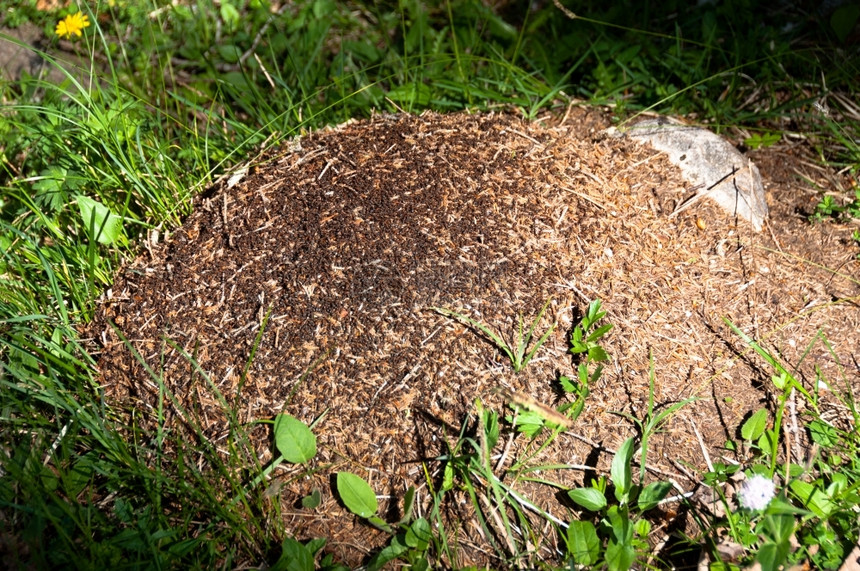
(341, 244)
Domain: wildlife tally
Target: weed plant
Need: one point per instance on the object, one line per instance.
(169, 96)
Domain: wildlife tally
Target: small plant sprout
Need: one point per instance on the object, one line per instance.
(756, 492)
(411, 537)
(517, 352)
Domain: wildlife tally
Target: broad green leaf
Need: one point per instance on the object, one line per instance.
(771, 555)
(392, 551)
(589, 498)
(642, 527)
(813, 498)
(323, 8)
(528, 422)
(102, 224)
(52, 187)
(755, 425)
(229, 53)
(582, 542)
(844, 20)
(823, 434)
(760, 140)
(598, 354)
(229, 15)
(411, 94)
(294, 557)
(768, 443)
(567, 384)
(419, 534)
(779, 528)
(294, 440)
(447, 477)
(781, 380)
(619, 521)
(652, 494)
(356, 494)
(315, 545)
(620, 472)
(312, 500)
(619, 552)
(619, 556)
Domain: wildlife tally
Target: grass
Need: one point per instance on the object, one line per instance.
(95, 168)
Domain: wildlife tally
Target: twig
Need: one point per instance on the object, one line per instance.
(702, 445)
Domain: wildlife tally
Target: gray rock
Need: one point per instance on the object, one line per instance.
(725, 175)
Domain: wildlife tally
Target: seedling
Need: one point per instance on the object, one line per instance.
(517, 352)
(410, 538)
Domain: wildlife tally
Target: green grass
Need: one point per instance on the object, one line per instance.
(91, 169)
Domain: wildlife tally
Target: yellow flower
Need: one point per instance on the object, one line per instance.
(72, 25)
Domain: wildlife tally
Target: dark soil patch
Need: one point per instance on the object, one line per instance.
(349, 237)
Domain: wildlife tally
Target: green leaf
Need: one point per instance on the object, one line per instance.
(380, 524)
(408, 504)
(356, 494)
(619, 556)
(600, 332)
(598, 354)
(294, 440)
(315, 545)
(567, 384)
(491, 428)
(620, 472)
(772, 555)
(768, 443)
(652, 494)
(230, 16)
(419, 534)
(755, 425)
(395, 549)
(229, 53)
(619, 552)
(312, 500)
(51, 189)
(528, 422)
(642, 527)
(582, 542)
(294, 557)
(448, 477)
(823, 434)
(101, 224)
(589, 498)
(813, 498)
(844, 20)
(760, 140)
(412, 94)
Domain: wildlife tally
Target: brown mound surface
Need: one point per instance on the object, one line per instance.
(348, 238)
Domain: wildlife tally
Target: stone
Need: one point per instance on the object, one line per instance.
(707, 160)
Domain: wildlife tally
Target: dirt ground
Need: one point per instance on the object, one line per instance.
(347, 238)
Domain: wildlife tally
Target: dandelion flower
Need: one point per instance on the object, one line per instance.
(757, 492)
(72, 25)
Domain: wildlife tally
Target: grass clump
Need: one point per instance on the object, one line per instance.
(166, 97)
(517, 351)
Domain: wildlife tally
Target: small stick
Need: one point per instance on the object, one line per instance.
(702, 445)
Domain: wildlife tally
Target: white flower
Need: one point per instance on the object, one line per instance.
(757, 492)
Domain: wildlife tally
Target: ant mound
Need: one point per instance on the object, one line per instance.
(308, 287)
